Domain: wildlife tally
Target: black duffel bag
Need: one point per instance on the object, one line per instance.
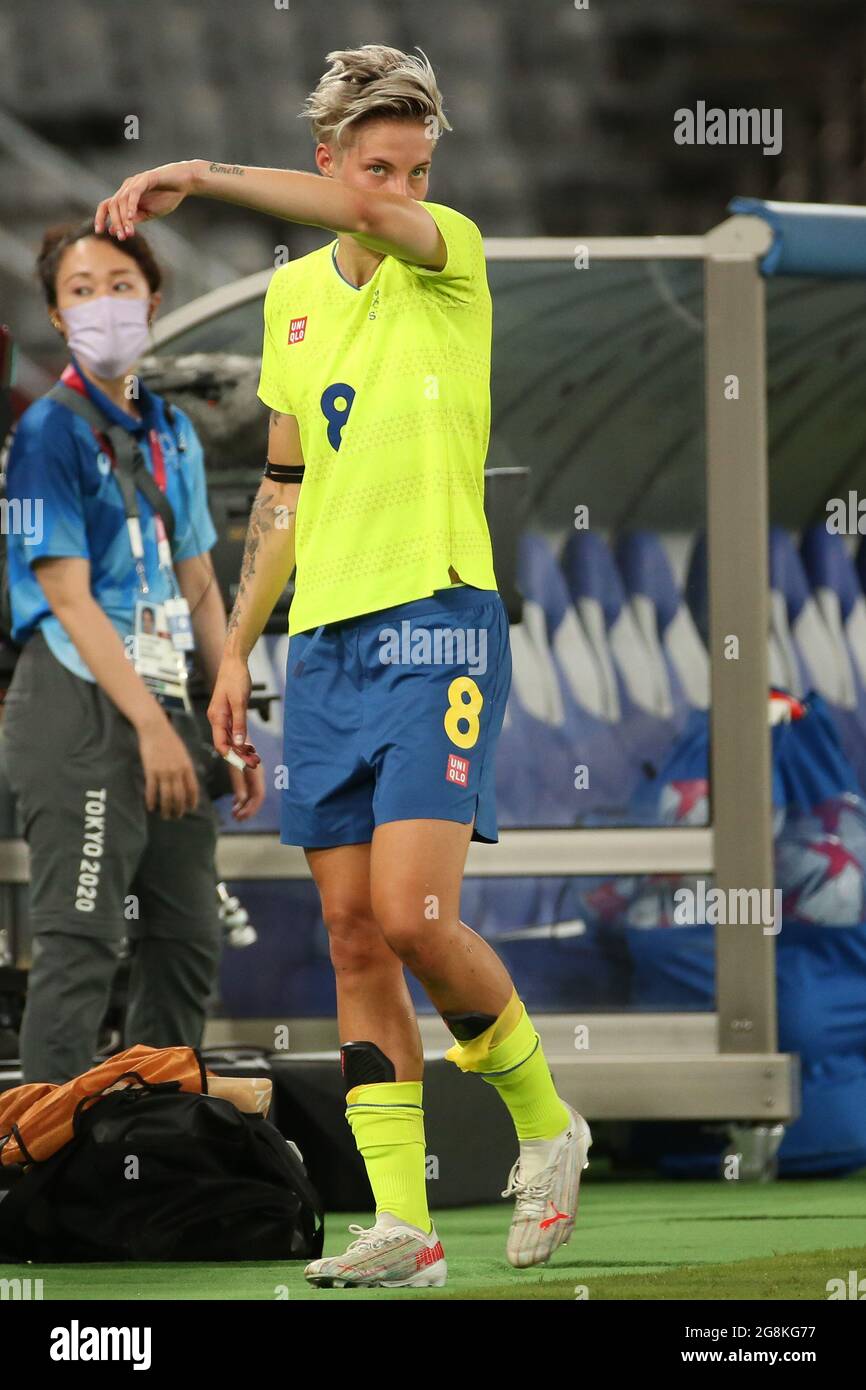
(156, 1173)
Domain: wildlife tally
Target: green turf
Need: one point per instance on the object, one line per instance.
(645, 1240)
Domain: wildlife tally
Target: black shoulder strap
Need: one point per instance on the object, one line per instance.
(127, 455)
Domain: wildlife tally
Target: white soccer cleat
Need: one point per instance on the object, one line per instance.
(546, 1203)
(389, 1254)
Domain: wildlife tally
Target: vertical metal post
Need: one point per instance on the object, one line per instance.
(739, 608)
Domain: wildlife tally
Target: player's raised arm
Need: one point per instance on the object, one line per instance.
(372, 178)
(392, 223)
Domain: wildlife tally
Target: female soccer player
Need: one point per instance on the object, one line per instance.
(376, 367)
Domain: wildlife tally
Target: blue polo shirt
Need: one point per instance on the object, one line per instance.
(71, 505)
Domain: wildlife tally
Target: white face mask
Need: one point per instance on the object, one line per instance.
(108, 334)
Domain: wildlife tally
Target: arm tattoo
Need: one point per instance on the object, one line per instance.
(226, 169)
(263, 519)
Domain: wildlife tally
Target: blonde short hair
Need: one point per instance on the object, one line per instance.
(373, 81)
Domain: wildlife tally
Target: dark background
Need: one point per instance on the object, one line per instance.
(563, 118)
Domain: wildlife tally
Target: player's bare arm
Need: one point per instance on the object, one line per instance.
(267, 565)
(391, 223)
(198, 583)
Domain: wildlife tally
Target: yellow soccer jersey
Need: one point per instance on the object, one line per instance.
(390, 385)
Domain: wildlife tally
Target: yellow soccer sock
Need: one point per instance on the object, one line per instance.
(387, 1120)
(509, 1055)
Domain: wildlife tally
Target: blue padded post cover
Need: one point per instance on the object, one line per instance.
(822, 239)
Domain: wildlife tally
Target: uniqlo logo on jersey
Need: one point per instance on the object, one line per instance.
(297, 329)
(457, 770)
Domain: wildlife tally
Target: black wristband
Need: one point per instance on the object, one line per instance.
(284, 473)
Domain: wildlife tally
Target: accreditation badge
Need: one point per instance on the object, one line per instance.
(177, 616)
(156, 658)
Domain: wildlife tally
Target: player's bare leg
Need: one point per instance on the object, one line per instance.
(383, 1065)
(373, 1000)
(416, 873)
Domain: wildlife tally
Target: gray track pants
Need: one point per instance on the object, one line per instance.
(103, 870)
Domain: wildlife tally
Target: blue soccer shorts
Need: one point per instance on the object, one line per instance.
(394, 716)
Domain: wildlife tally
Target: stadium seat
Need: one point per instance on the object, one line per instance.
(798, 625)
(580, 696)
(641, 688)
(664, 620)
(795, 628)
(839, 598)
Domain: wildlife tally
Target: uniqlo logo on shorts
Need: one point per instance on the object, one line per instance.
(457, 770)
(297, 329)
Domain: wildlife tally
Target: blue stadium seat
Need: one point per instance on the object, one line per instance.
(664, 620)
(839, 598)
(800, 650)
(575, 705)
(825, 666)
(639, 682)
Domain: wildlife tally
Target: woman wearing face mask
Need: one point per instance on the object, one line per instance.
(101, 751)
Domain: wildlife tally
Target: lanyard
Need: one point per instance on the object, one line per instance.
(126, 483)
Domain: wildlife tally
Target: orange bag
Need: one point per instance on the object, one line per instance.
(36, 1120)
